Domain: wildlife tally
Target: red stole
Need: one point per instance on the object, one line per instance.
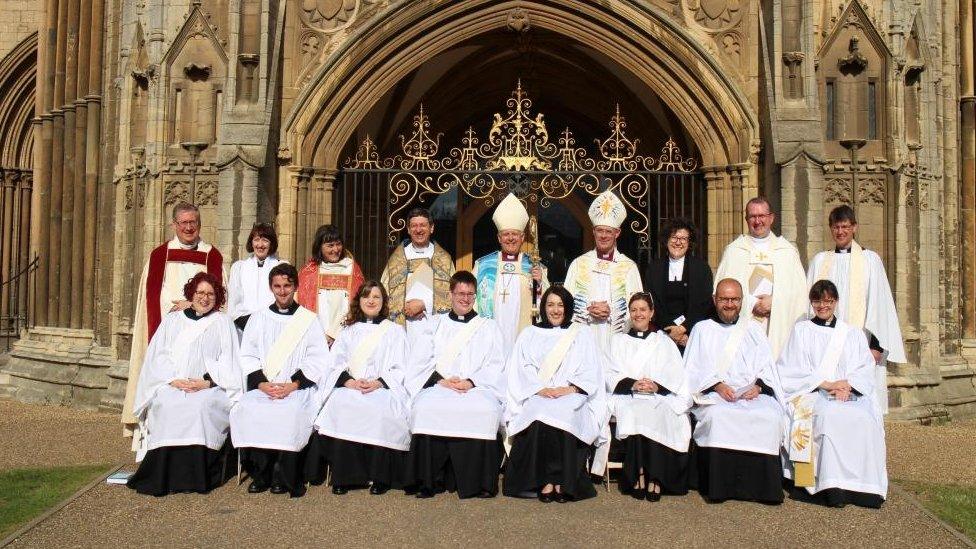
(310, 282)
(157, 270)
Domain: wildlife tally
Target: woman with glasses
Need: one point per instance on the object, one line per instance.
(836, 440)
(183, 399)
(650, 404)
(680, 283)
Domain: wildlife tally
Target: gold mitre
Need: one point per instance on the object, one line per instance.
(510, 214)
(607, 211)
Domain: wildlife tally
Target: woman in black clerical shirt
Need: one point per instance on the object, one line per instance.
(680, 283)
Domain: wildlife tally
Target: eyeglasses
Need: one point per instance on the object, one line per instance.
(729, 300)
(187, 224)
(824, 302)
(200, 293)
(675, 238)
(757, 216)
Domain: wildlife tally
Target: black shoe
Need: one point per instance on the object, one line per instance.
(278, 489)
(257, 487)
(653, 496)
(299, 492)
(424, 493)
(638, 493)
(340, 490)
(547, 497)
(563, 497)
(378, 489)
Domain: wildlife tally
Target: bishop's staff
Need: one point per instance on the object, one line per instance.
(536, 259)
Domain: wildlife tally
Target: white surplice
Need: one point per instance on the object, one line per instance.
(746, 425)
(248, 289)
(184, 348)
(582, 415)
(379, 418)
(849, 443)
(663, 419)
(440, 411)
(613, 280)
(279, 424)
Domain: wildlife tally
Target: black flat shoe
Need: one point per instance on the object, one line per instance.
(340, 490)
(423, 493)
(256, 487)
(278, 489)
(563, 498)
(378, 489)
(653, 496)
(547, 497)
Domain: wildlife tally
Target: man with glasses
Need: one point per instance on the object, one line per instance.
(739, 419)
(769, 270)
(865, 297)
(169, 266)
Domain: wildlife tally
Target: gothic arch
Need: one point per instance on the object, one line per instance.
(17, 79)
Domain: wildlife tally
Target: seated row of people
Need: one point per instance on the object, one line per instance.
(436, 413)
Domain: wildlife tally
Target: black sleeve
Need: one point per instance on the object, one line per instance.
(241, 321)
(625, 386)
(206, 377)
(875, 345)
(581, 391)
(711, 389)
(433, 379)
(303, 382)
(343, 378)
(254, 379)
(662, 390)
(855, 392)
(700, 304)
(385, 386)
(471, 381)
(765, 389)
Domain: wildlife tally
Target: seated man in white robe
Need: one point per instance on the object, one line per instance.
(836, 437)
(186, 388)
(740, 421)
(556, 407)
(283, 355)
(457, 376)
(363, 428)
(650, 404)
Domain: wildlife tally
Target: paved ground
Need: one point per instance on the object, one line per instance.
(115, 516)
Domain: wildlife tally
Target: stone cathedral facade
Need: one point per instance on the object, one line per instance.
(304, 112)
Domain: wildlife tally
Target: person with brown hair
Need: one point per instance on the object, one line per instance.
(186, 387)
(330, 280)
(247, 289)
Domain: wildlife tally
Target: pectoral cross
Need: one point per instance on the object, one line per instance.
(762, 256)
(504, 293)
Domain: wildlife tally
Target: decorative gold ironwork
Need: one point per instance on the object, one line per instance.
(517, 148)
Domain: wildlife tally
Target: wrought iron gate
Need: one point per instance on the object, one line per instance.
(373, 193)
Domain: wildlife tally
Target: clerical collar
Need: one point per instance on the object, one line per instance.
(509, 257)
(821, 322)
(374, 320)
(761, 240)
(421, 249)
(643, 335)
(261, 261)
(839, 250)
(463, 318)
(718, 319)
(606, 257)
(192, 315)
(188, 246)
(289, 311)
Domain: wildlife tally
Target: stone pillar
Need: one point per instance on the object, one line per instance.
(719, 204)
(967, 107)
(93, 137)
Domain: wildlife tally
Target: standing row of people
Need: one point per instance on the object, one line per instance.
(606, 312)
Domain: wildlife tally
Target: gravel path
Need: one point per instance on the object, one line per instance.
(228, 517)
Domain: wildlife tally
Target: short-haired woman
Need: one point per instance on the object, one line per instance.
(247, 287)
(183, 399)
(363, 428)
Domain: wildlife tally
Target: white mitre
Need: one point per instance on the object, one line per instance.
(607, 211)
(510, 214)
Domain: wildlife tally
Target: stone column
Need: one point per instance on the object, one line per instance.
(967, 107)
(55, 274)
(718, 191)
(93, 138)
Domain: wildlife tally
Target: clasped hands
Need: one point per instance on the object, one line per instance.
(840, 389)
(678, 334)
(728, 393)
(644, 385)
(599, 310)
(190, 385)
(414, 309)
(556, 392)
(764, 304)
(364, 386)
(277, 391)
(456, 384)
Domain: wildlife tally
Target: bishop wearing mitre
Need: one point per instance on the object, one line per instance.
(508, 281)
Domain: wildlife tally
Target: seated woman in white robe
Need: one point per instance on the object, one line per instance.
(283, 355)
(650, 405)
(247, 288)
(739, 418)
(457, 378)
(363, 429)
(187, 385)
(556, 405)
(838, 456)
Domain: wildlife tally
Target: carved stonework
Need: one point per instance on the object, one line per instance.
(328, 15)
(197, 72)
(731, 43)
(206, 194)
(854, 62)
(837, 191)
(871, 191)
(311, 46)
(518, 21)
(175, 192)
(716, 14)
(127, 194)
